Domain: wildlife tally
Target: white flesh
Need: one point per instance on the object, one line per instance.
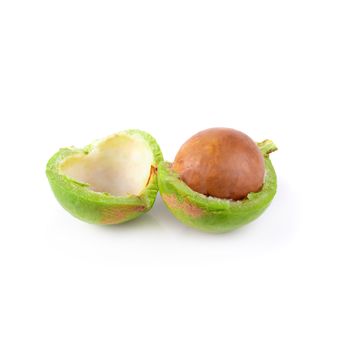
(119, 165)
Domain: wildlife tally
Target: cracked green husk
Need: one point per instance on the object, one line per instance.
(214, 214)
(97, 207)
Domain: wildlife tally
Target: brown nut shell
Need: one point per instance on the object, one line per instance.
(221, 162)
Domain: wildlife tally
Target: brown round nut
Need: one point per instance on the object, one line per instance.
(221, 162)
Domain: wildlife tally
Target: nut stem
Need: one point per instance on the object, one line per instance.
(266, 147)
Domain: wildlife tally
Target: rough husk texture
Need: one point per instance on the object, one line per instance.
(213, 214)
(97, 207)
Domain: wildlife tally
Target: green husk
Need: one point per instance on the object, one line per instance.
(98, 207)
(213, 214)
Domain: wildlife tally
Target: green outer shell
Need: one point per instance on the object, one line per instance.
(97, 207)
(213, 214)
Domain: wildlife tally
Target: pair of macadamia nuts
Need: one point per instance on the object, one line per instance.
(220, 179)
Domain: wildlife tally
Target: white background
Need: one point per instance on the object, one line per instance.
(73, 71)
